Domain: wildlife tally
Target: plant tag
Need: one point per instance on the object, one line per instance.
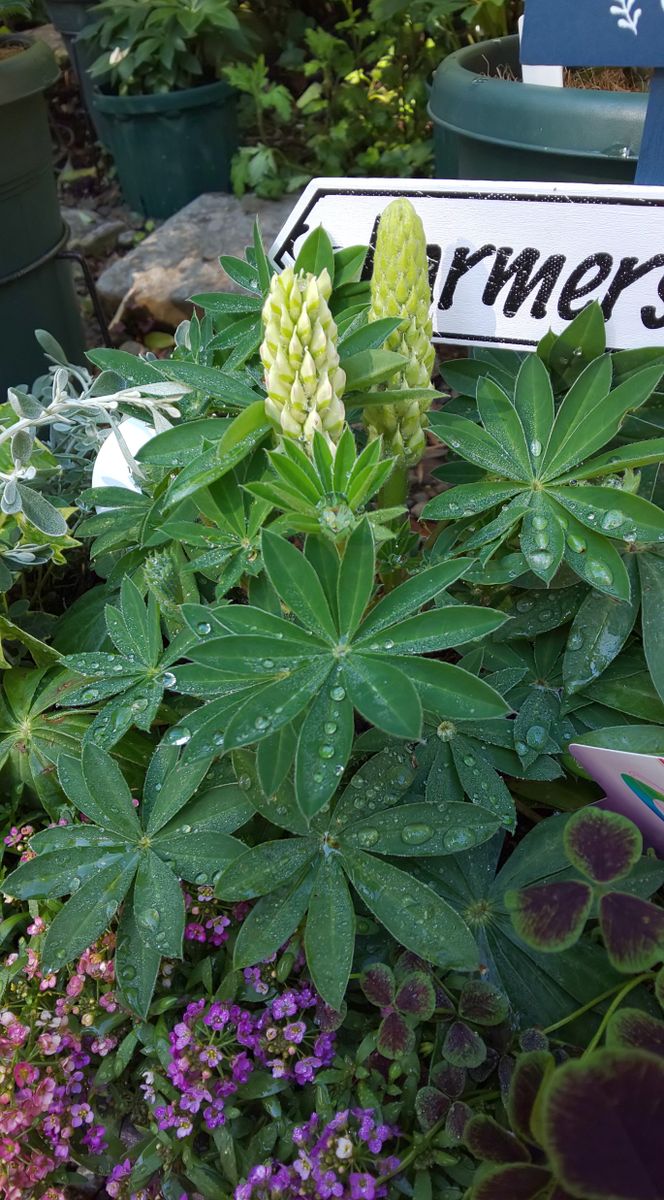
(509, 261)
(634, 786)
(541, 76)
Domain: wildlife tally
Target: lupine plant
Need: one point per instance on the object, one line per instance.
(305, 893)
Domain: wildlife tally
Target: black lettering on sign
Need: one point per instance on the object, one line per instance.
(574, 289)
(462, 262)
(520, 271)
(628, 273)
(648, 314)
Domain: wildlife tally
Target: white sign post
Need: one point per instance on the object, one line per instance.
(509, 261)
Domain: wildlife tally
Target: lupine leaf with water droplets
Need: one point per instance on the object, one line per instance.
(356, 578)
(329, 936)
(274, 758)
(651, 574)
(481, 783)
(87, 914)
(219, 809)
(60, 872)
(272, 921)
(298, 585)
(600, 629)
(279, 808)
(422, 829)
(109, 791)
(468, 499)
(412, 912)
(256, 654)
(136, 964)
(538, 612)
(277, 704)
(533, 400)
(542, 539)
(473, 443)
(383, 694)
(499, 415)
(377, 785)
(171, 793)
(137, 706)
(159, 906)
(412, 595)
(613, 513)
(448, 691)
(581, 402)
(197, 856)
(436, 629)
(323, 750)
(265, 867)
(594, 558)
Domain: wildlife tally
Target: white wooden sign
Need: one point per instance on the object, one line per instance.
(508, 261)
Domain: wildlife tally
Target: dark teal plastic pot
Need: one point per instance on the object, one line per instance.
(486, 127)
(70, 18)
(172, 147)
(36, 289)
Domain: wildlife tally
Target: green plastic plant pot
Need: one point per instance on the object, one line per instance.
(170, 148)
(36, 288)
(70, 18)
(486, 127)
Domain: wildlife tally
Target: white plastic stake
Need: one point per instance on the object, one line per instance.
(541, 76)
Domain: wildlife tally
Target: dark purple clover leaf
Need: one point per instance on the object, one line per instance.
(445, 1009)
(431, 1106)
(519, 1182)
(448, 1079)
(633, 932)
(463, 1047)
(551, 916)
(457, 1119)
(416, 996)
(601, 1123)
(487, 1068)
(604, 846)
(395, 1037)
(328, 1019)
(533, 1039)
(377, 983)
(482, 1003)
(630, 1027)
(491, 1142)
(530, 1072)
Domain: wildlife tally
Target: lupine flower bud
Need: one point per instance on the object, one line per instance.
(303, 378)
(400, 288)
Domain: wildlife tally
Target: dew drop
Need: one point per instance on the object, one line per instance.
(204, 627)
(261, 722)
(541, 559)
(318, 778)
(218, 738)
(576, 544)
(599, 573)
(536, 736)
(389, 644)
(575, 641)
(456, 839)
(540, 522)
(326, 750)
(185, 829)
(268, 664)
(535, 448)
(179, 735)
(521, 748)
(524, 605)
(129, 972)
(244, 782)
(168, 679)
(613, 519)
(338, 693)
(201, 878)
(416, 835)
(367, 837)
(330, 727)
(469, 760)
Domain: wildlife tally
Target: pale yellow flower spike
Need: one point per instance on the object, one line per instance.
(400, 288)
(303, 378)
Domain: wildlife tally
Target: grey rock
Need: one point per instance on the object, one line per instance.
(181, 257)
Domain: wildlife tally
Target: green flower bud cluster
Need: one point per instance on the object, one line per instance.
(303, 378)
(400, 288)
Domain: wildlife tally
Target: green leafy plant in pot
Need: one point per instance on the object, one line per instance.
(160, 87)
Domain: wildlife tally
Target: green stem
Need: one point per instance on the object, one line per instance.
(579, 1012)
(394, 492)
(624, 991)
(414, 1152)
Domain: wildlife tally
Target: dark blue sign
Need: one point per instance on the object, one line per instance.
(594, 33)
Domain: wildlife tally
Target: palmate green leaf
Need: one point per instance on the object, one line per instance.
(61, 871)
(481, 782)
(452, 692)
(240, 439)
(272, 921)
(356, 578)
(651, 575)
(638, 454)
(265, 867)
(323, 749)
(269, 708)
(412, 912)
(383, 694)
(599, 632)
(97, 787)
(616, 514)
(594, 558)
(378, 784)
(87, 913)
(499, 414)
(274, 758)
(316, 254)
(422, 829)
(329, 935)
(478, 446)
(159, 905)
(533, 401)
(279, 807)
(417, 591)
(197, 859)
(136, 963)
(469, 499)
(542, 538)
(436, 629)
(297, 584)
